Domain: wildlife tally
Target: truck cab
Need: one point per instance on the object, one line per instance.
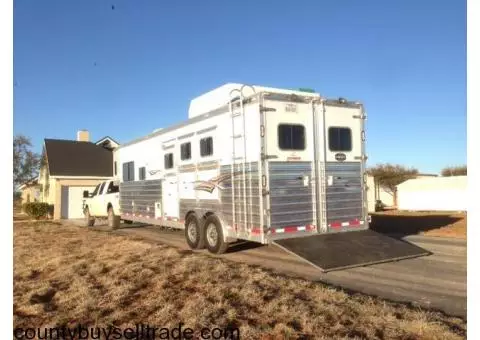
(103, 202)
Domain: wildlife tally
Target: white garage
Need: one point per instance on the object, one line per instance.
(433, 194)
(72, 201)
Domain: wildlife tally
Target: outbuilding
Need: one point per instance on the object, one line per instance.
(433, 194)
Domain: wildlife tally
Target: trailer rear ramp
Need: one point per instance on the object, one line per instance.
(343, 250)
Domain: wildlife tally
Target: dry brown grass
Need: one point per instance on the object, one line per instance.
(445, 224)
(66, 275)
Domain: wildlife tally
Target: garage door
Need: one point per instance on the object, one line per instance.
(72, 201)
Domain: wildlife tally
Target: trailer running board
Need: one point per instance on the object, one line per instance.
(344, 250)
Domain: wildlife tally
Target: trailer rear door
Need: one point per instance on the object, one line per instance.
(340, 155)
(288, 150)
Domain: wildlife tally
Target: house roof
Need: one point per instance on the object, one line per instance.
(73, 158)
(107, 138)
(29, 183)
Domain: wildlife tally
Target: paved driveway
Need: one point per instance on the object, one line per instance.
(438, 281)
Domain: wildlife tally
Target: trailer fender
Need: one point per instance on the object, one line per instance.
(226, 237)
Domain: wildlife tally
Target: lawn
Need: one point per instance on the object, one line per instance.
(65, 275)
(444, 224)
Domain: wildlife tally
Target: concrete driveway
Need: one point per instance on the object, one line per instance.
(438, 281)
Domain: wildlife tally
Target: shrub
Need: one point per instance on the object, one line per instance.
(37, 209)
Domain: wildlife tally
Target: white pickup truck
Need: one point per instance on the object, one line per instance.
(103, 202)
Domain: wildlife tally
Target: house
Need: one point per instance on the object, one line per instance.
(433, 194)
(71, 166)
(30, 191)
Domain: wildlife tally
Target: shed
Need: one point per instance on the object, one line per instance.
(433, 194)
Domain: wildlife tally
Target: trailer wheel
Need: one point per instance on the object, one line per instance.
(214, 235)
(194, 233)
(89, 220)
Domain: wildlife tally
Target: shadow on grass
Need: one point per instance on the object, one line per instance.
(404, 225)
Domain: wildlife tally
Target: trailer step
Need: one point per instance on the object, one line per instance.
(343, 250)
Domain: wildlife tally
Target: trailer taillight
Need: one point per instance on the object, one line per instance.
(262, 131)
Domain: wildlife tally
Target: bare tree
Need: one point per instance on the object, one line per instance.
(460, 170)
(391, 175)
(25, 161)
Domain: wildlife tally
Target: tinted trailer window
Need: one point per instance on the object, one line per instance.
(291, 137)
(339, 139)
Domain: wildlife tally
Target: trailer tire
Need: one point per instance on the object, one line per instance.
(214, 235)
(193, 232)
(89, 220)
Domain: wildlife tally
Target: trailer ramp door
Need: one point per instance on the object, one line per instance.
(343, 250)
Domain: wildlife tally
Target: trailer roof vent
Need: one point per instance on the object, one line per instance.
(342, 100)
(308, 90)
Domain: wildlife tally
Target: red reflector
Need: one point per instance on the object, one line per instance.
(336, 225)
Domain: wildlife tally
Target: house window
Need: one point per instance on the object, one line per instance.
(168, 160)
(339, 139)
(185, 151)
(206, 146)
(291, 137)
(128, 171)
(141, 173)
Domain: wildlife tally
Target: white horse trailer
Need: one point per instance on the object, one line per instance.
(258, 164)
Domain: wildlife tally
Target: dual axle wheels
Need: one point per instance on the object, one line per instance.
(208, 234)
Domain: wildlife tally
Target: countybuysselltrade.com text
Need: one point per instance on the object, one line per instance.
(139, 332)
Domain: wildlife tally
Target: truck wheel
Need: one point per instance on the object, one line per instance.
(214, 235)
(89, 220)
(194, 233)
(113, 221)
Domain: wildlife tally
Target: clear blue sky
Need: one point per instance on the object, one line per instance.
(126, 71)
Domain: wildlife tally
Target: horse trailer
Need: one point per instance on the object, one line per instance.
(259, 164)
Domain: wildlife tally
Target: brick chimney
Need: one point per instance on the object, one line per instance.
(83, 136)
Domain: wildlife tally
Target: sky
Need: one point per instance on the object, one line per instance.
(123, 68)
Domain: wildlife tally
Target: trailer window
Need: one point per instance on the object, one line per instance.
(112, 188)
(128, 171)
(291, 137)
(115, 168)
(168, 160)
(185, 151)
(206, 146)
(141, 173)
(339, 139)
